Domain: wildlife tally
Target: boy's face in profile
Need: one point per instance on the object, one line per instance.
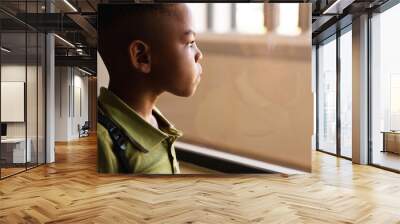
(174, 55)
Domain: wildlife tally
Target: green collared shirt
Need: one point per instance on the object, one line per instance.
(148, 151)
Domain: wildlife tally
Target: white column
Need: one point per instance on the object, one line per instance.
(50, 99)
(360, 90)
(50, 92)
(62, 103)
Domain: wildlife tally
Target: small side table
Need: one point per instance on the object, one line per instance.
(391, 141)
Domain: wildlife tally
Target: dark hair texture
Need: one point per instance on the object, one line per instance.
(119, 24)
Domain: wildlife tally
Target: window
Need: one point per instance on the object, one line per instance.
(385, 88)
(22, 65)
(288, 19)
(327, 96)
(394, 101)
(246, 18)
(221, 17)
(346, 94)
(199, 16)
(314, 90)
(335, 74)
(250, 18)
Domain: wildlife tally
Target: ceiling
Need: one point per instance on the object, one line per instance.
(76, 23)
(332, 15)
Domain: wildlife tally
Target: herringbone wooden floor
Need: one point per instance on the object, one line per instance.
(70, 191)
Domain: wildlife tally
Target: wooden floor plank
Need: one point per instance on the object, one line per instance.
(71, 191)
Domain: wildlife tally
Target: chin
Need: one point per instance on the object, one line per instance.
(187, 92)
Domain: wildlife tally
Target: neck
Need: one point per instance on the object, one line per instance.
(137, 95)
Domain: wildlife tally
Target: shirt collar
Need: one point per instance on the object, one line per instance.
(135, 127)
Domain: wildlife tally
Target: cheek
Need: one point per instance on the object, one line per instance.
(184, 65)
(189, 63)
(179, 68)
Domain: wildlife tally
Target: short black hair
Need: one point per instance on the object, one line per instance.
(119, 24)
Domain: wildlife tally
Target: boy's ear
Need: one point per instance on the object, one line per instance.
(139, 53)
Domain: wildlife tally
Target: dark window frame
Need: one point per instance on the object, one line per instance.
(381, 9)
(334, 37)
(29, 30)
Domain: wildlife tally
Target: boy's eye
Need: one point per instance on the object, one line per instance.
(191, 43)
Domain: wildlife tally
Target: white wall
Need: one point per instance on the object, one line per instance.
(70, 83)
(33, 127)
(102, 77)
(61, 103)
(12, 101)
(79, 117)
(12, 73)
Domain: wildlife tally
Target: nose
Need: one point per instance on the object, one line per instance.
(199, 55)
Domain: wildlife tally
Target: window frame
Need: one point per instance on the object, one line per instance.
(334, 37)
(378, 10)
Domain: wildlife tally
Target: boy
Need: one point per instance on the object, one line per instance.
(148, 49)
